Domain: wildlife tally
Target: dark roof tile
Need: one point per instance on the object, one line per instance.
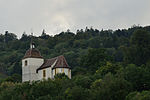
(32, 53)
(60, 63)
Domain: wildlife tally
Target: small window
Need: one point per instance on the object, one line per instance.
(68, 72)
(26, 63)
(44, 73)
(55, 71)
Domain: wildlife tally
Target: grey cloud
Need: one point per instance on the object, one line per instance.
(59, 15)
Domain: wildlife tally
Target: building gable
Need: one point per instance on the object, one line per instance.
(57, 62)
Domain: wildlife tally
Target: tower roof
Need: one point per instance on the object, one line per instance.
(32, 53)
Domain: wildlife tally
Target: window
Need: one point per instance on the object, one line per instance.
(63, 70)
(44, 73)
(55, 71)
(25, 63)
(68, 72)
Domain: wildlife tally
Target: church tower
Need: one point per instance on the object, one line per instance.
(30, 63)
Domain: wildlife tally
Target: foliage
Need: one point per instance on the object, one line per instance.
(60, 76)
(110, 88)
(106, 65)
(138, 76)
(144, 95)
(139, 51)
(109, 67)
(94, 59)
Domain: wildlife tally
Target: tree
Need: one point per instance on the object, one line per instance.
(110, 88)
(14, 78)
(144, 95)
(141, 38)
(139, 77)
(109, 67)
(139, 51)
(24, 37)
(1, 38)
(61, 76)
(83, 81)
(94, 59)
(76, 93)
(10, 36)
(44, 35)
(78, 71)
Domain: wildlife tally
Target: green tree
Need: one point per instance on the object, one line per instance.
(14, 78)
(139, 50)
(110, 88)
(83, 81)
(61, 76)
(10, 36)
(144, 95)
(76, 93)
(94, 59)
(109, 67)
(139, 77)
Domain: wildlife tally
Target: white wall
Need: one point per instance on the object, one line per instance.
(60, 70)
(33, 61)
(29, 71)
(48, 73)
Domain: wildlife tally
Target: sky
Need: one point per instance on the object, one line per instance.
(55, 16)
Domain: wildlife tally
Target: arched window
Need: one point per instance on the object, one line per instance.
(26, 63)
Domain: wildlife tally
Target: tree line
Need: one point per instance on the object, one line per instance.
(106, 65)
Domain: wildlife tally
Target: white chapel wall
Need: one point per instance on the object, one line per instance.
(33, 61)
(48, 73)
(29, 71)
(62, 70)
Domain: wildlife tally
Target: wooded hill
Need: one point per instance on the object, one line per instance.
(106, 65)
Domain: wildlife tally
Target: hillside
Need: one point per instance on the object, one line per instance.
(106, 65)
(72, 45)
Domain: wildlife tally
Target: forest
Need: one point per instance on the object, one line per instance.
(106, 65)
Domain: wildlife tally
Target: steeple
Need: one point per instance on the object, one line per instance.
(32, 45)
(32, 52)
(31, 62)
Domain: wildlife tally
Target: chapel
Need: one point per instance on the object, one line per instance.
(35, 67)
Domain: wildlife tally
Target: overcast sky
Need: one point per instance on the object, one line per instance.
(56, 16)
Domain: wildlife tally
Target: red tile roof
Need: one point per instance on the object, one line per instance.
(60, 63)
(32, 53)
